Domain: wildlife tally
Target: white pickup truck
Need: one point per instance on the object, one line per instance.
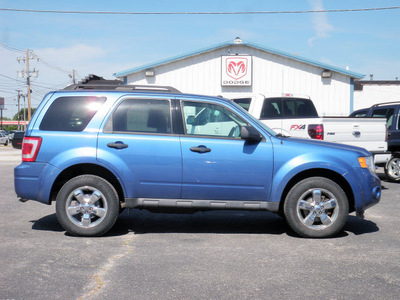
(296, 116)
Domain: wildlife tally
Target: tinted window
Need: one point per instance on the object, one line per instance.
(398, 121)
(142, 115)
(211, 120)
(243, 102)
(359, 114)
(71, 113)
(274, 108)
(384, 113)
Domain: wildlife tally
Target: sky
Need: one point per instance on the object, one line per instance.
(367, 42)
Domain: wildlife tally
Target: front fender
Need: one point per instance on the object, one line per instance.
(285, 172)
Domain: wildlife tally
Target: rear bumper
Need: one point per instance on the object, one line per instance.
(381, 158)
(33, 181)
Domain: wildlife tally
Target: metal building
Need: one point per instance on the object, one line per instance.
(236, 69)
(370, 92)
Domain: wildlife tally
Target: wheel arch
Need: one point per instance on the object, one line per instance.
(86, 169)
(329, 174)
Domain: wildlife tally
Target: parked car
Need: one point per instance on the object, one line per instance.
(17, 138)
(3, 139)
(96, 149)
(391, 112)
(296, 116)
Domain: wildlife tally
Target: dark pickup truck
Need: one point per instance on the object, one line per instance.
(390, 111)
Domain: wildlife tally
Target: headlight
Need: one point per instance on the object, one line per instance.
(367, 163)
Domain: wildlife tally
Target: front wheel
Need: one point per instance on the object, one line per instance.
(316, 207)
(87, 205)
(392, 169)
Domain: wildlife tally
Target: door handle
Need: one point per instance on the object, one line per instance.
(117, 145)
(200, 149)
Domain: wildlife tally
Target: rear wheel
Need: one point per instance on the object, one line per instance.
(87, 205)
(392, 169)
(316, 207)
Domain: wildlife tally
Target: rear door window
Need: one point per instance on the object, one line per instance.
(71, 113)
(143, 116)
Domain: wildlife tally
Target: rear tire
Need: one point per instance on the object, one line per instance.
(87, 205)
(316, 207)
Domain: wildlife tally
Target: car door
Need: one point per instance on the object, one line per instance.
(217, 163)
(138, 144)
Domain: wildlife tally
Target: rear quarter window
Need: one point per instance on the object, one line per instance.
(71, 113)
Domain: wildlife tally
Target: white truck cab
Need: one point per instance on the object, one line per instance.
(296, 115)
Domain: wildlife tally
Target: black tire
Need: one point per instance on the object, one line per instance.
(6, 143)
(392, 169)
(316, 207)
(87, 205)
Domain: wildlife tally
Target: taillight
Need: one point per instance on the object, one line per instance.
(316, 131)
(30, 148)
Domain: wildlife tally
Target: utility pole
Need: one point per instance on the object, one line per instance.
(19, 98)
(28, 74)
(73, 76)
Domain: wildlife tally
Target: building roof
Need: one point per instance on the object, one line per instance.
(248, 44)
(358, 85)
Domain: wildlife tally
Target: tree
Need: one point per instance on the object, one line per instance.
(21, 114)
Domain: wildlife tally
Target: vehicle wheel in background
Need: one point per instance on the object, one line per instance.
(392, 169)
(87, 205)
(316, 207)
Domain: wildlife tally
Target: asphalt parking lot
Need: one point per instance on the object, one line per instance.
(206, 255)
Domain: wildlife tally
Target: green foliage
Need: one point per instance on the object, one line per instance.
(21, 114)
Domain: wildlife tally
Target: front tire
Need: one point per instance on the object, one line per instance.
(87, 205)
(316, 207)
(392, 169)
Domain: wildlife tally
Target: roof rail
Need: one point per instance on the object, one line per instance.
(385, 103)
(94, 82)
(121, 87)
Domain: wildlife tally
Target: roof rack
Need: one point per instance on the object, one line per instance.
(385, 103)
(119, 87)
(94, 82)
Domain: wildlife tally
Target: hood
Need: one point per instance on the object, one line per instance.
(322, 145)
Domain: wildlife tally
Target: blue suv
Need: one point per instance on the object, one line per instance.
(97, 149)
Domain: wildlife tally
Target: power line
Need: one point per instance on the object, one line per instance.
(199, 13)
(8, 47)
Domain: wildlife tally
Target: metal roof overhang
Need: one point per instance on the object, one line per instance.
(229, 44)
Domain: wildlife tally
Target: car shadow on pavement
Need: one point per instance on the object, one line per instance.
(47, 223)
(215, 222)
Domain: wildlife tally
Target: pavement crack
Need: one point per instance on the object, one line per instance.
(97, 282)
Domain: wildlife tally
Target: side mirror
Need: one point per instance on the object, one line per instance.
(190, 120)
(249, 133)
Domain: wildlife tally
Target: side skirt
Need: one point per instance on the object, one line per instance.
(198, 204)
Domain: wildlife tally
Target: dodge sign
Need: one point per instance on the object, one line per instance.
(236, 70)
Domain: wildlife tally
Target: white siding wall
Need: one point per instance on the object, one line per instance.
(201, 74)
(374, 94)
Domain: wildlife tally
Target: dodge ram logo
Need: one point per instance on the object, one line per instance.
(236, 68)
